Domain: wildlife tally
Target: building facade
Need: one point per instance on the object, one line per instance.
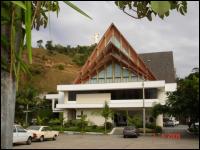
(115, 73)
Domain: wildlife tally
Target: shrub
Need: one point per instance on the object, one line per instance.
(94, 126)
(151, 125)
(55, 121)
(61, 67)
(158, 129)
(109, 125)
(136, 120)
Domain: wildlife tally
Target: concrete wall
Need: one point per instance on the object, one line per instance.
(159, 120)
(65, 97)
(99, 98)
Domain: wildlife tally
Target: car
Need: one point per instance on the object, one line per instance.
(130, 131)
(21, 135)
(43, 132)
(196, 124)
(176, 122)
(169, 123)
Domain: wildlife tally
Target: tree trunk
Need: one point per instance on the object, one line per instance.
(8, 94)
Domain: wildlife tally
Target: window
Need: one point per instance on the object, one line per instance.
(20, 129)
(72, 96)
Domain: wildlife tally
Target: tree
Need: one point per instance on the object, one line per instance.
(49, 45)
(106, 113)
(39, 43)
(24, 97)
(185, 101)
(159, 109)
(17, 20)
(142, 9)
(82, 123)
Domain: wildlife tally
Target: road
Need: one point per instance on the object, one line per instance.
(65, 141)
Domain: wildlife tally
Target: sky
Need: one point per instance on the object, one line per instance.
(176, 33)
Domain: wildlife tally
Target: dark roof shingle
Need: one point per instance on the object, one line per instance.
(161, 64)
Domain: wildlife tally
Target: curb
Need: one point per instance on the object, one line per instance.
(78, 133)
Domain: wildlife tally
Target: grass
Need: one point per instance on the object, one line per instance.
(46, 74)
(147, 130)
(99, 129)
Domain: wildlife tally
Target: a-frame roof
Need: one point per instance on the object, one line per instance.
(113, 47)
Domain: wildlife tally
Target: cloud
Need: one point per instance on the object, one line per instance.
(176, 33)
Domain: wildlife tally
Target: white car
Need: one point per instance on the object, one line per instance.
(21, 135)
(42, 132)
(176, 122)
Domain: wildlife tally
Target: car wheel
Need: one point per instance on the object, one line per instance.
(28, 142)
(124, 136)
(41, 138)
(54, 137)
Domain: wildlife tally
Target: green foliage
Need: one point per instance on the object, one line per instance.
(158, 129)
(160, 7)
(94, 126)
(142, 9)
(151, 125)
(106, 113)
(79, 54)
(55, 121)
(39, 43)
(159, 109)
(108, 125)
(20, 4)
(185, 101)
(82, 123)
(137, 121)
(28, 15)
(40, 121)
(33, 15)
(49, 45)
(76, 8)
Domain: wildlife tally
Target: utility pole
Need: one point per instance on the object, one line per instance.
(143, 97)
(27, 111)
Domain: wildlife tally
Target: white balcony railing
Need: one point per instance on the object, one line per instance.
(112, 104)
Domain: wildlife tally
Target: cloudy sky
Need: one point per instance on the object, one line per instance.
(176, 33)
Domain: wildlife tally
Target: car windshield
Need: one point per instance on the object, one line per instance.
(130, 128)
(34, 128)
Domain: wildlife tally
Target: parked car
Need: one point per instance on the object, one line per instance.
(21, 135)
(43, 132)
(169, 123)
(130, 131)
(176, 122)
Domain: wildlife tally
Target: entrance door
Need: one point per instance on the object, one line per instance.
(120, 119)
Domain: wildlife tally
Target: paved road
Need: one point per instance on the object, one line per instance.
(65, 141)
(182, 129)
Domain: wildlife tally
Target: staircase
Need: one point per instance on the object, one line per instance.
(117, 131)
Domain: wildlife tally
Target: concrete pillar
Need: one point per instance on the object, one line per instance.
(65, 116)
(159, 120)
(53, 103)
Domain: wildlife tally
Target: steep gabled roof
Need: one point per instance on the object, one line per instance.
(113, 47)
(162, 64)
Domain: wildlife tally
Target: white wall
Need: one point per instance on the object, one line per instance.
(98, 98)
(93, 116)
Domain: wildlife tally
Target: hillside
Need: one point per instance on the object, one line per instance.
(50, 69)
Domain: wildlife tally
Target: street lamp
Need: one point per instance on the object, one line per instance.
(143, 97)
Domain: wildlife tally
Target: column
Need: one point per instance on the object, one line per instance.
(159, 120)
